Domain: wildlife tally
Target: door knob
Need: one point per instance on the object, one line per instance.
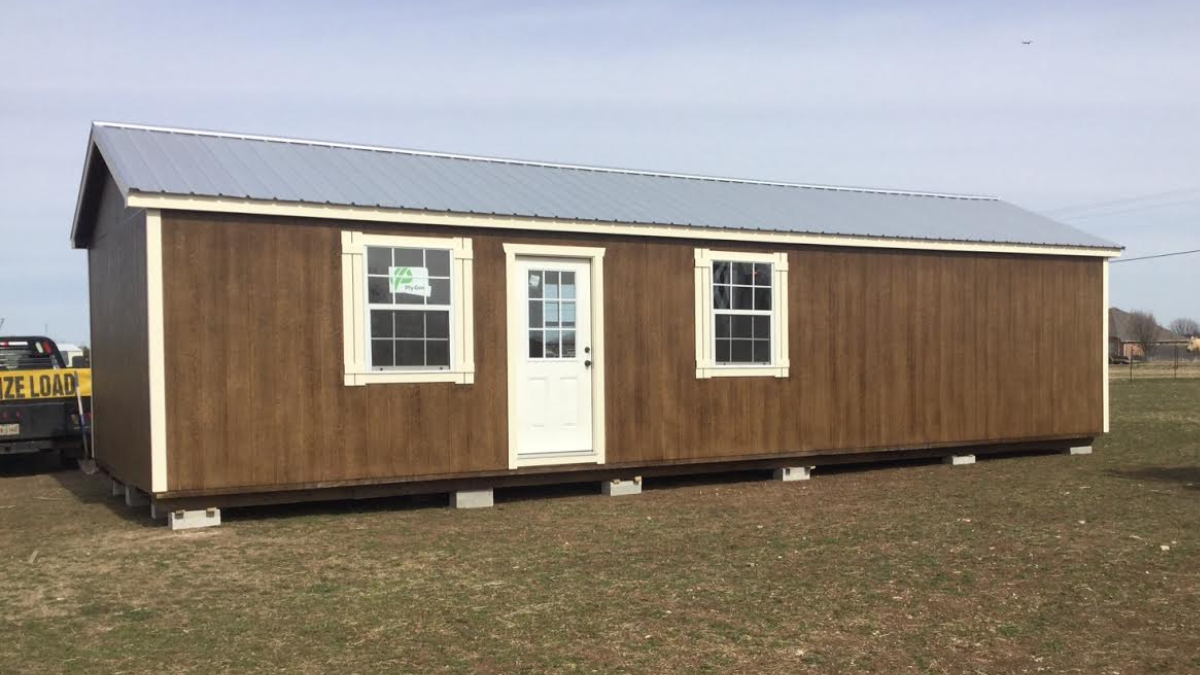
(587, 364)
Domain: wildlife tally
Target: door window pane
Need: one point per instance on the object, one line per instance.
(552, 314)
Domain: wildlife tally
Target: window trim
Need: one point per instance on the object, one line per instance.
(355, 308)
(706, 365)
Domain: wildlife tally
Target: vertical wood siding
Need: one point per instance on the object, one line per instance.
(889, 349)
(120, 364)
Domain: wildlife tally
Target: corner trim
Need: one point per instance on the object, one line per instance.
(156, 351)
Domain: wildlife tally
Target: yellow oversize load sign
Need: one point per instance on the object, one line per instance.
(25, 385)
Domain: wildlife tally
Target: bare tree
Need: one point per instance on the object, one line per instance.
(1144, 329)
(1185, 327)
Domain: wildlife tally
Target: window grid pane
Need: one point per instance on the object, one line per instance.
(409, 331)
(742, 312)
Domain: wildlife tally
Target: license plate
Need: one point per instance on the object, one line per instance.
(10, 429)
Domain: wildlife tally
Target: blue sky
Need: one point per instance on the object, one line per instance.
(1103, 105)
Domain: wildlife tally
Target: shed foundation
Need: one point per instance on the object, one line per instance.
(471, 499)
(959, 460)
(618, 488)
(792, 473)
(190, 520)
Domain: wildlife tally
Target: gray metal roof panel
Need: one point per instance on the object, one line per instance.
(183, 162)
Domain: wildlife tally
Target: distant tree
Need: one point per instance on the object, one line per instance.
(1185, 327)
(1144, 328)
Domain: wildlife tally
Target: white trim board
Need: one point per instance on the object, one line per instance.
(156, 352)
(706, 365)
(1105, 349)
(354, 310)
(417, 217)
(515, 336)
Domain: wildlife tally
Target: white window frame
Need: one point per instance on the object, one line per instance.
(706, 365)
(355, 325)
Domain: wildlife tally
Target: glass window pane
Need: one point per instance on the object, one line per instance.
(762, 327)
(377, 290)
(437, 324)
(437, 353)
(722, 325)
(410, 352)
(551, 284)
(535, 344)
(722, 351)
(410, 324)
(438, 262)
(407, 299)
(721, 297)
(721, 272)
(439, 292)
(762, 351)
(378, 260)
(550, 313)
(568, 344)
(762, 274)
(567, 283)
(535, 284)
(568, 314)
(742, 326)
(535, 313)
(382, 354)
(552, 350)
(741, 351)
(743, 297)
(743, 273)
(381, 323)
(762, 298)
(408, 257)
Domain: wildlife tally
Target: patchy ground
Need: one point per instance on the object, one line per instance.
(1034, 564)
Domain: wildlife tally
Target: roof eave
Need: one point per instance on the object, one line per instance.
(253, 206)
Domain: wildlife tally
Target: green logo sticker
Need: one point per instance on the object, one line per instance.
(409, 280)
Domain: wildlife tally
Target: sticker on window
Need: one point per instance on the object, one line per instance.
(410, 280)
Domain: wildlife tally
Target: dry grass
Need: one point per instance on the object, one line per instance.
(1022, 565)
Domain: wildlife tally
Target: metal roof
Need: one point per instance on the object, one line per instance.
(188, 162)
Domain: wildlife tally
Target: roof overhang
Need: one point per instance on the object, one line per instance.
(228, 205)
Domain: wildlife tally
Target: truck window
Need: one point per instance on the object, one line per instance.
(27, 355)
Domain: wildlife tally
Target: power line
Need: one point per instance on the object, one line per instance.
(1133, 209)
(1118, 202)
(1160, 255)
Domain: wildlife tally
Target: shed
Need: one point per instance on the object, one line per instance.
(279, 320)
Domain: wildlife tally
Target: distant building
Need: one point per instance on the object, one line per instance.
(1123, 342)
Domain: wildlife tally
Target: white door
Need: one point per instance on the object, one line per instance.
(554, 361)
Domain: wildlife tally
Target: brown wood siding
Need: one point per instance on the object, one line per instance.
(889, 349)
(120, 365)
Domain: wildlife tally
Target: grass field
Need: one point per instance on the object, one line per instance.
(1034, 564)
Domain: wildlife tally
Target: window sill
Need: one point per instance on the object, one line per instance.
(706, 372)
(409, 377)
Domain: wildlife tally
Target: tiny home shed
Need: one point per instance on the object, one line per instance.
(279, 320)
